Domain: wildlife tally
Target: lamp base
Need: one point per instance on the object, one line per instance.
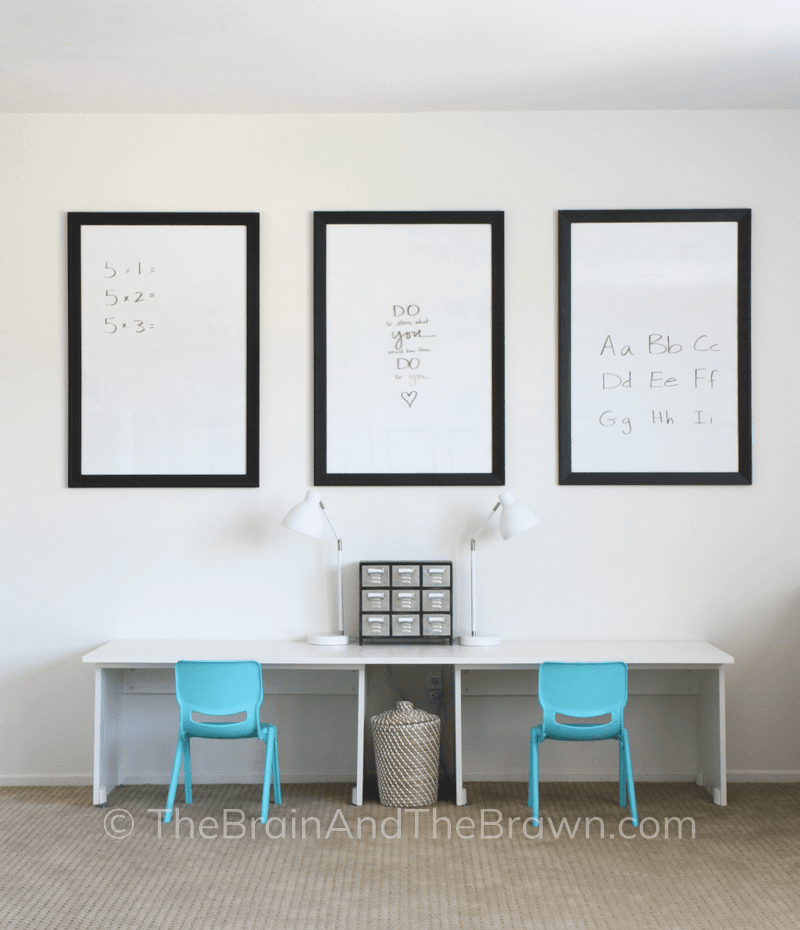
(327, 639)
(480, 640)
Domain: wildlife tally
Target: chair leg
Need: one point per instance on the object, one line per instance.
(623, 776)
(276, 775)
(268, 766)
(533, 779)
(629, 779)
(187, 772)
(173, 784)
(530, 771)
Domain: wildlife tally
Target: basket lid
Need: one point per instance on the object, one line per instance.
(404, 715)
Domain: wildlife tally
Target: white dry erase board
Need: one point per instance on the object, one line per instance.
(654, 347)
(408, 343)
(163, 349)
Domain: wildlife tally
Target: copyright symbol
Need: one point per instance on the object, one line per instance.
(118, 823)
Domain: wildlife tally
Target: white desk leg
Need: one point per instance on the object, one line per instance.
(711, 750)
(358, 791)
(461, 794)
(107, 710)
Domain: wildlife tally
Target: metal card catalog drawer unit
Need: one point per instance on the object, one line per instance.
(406, 602)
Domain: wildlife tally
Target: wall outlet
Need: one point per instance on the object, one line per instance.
(435, 689)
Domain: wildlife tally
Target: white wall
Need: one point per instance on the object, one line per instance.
(80, 567)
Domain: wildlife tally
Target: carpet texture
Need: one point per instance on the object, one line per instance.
(66, 865)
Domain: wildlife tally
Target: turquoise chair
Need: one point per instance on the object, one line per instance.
(583, 689)
(221, 689)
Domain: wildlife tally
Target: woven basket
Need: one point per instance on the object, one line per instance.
(407, 756)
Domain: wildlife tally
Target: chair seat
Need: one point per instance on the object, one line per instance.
(265, 730)
(579, 731)
(228, 730)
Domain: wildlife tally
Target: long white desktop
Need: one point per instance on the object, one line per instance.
(705, 662)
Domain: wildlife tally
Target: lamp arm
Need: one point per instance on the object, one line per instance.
(485, 523)
(340, 598)
(330, 523)
(473, 599)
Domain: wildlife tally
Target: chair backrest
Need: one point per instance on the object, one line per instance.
(583, 689)
(219, 689)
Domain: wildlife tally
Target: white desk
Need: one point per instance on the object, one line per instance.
(705, 660)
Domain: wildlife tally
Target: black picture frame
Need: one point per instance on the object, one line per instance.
(182, 408)
(681, 274)
(350, 249)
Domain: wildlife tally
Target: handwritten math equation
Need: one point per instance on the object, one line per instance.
(410, 349)
(128, 285)
(657, 371)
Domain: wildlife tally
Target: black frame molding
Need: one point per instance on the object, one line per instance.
(743, 474)
(249, 478)
(321, 221)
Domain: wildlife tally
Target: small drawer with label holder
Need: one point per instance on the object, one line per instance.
(437, 601)
(436, 576)
(405, 576)
(375, 625)
(375, 576)
(406, 599)
(375, 601)
(436, 624)
(405, 624)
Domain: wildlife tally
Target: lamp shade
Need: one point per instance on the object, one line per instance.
(515, 517)
(306, 517)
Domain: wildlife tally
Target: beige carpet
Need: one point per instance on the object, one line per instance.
(60, 868)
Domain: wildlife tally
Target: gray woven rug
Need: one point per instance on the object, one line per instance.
(65, 864)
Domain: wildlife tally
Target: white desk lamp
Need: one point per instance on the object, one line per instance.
(514, 518)
(306, 518)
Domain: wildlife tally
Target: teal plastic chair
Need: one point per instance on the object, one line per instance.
(221, 689)
(583, 689)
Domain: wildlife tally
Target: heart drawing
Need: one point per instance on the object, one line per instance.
(409, 397)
